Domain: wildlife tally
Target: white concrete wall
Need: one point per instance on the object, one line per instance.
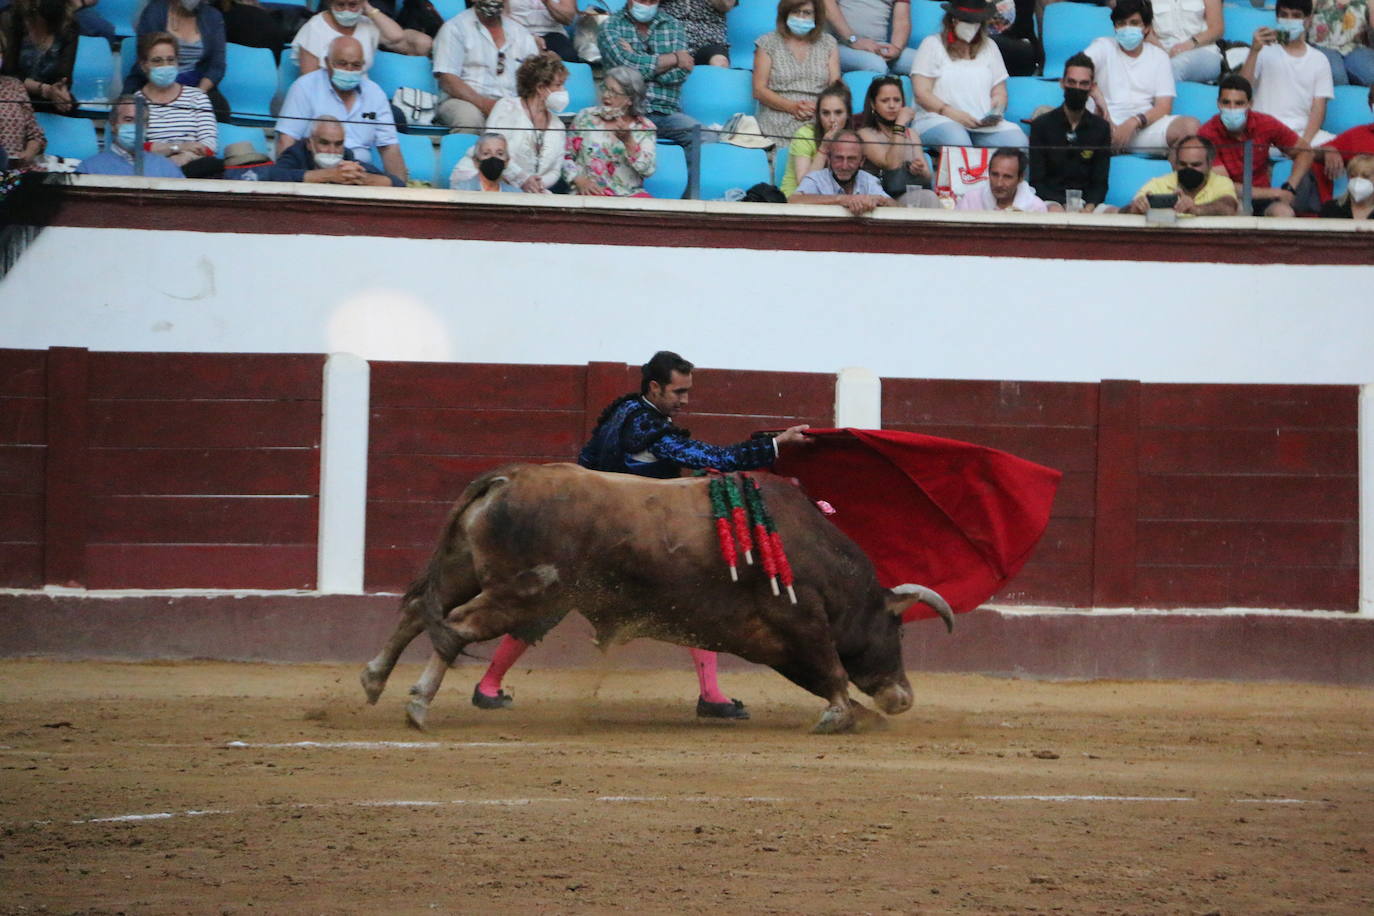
(898, 315)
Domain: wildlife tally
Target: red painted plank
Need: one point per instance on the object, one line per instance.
(1076, 496)
(1246, 451)
(1064, 449)
(204, 424)
(21, 565)
(22, 468)
(203, 520)
(66, 467)
(23, 373)
(434, 431)
(914, 402)
(393, 569)
(1049, 585)
(205, 472)
(430, 477)
(21, 518)
(1114, 533)
(1256, 498)
(1066, 541)
(1248, 544)
(1258, 406)
(214, 376)
(201, 566)
(1333, 589)
(23, 421)
(394, 523)
(477, 385)
(604, 383)
(776, 394)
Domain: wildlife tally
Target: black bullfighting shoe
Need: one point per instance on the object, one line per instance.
(731, 709)
(502, 700)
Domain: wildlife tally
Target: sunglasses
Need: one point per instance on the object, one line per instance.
(500, 62)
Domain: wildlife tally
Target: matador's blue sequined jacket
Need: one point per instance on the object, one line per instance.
(632, 437)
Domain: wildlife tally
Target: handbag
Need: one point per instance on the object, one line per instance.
(416, 105)
(961, 169)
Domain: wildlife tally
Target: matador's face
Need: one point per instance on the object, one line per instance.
(671, 398)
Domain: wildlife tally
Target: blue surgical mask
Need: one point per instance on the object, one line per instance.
(1233, 119)
(126, 135)
(1130, 37)
(1290, 28)
(643, 12)
(345, 80)
(164, 76)
(799, 26)
(346, 18)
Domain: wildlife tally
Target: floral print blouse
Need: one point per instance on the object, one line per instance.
(1339, 24)
(595, 152)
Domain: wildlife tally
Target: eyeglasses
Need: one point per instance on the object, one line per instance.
(500, 62)
(161, 61)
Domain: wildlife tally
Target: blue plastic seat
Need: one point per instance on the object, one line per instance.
(581, 87)
(724, 166)
(451, 150)
(450, 8)
(1197, 100)
(70, 138)
(926, 17)
(122, 14)
(1281, 172)
(288, 71)
(743, 26)
(1350, 108)
(249, 84)
(94, 62)
(1070, 28)
(128, 60)
(713, 94)
(418, 153)
(609, 5)
(857, 81)
(392, 71)
(1241, 21)
(1128, 175)
(669, 180)
(237, 133)
(1027, 93)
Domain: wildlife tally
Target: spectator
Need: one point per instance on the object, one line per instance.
(199, 31)
(611, 147)
(808, 150)
(872, 34)
(40, 38)
(792, 64)
(1006, 187)
(842, 181)
(961, 83)
(892, 150)
(476, 55)
(1358, 200)
(91, 23)
(1016, 43)
(121, 132)
(547, 21)
(1292, 80)
(704, 22)
(1070, 147)
(355, 19)
(1188, 30)
(181, 121)
(247, 23)
(20, 136)
(1135, 84)
(655, 44)
(532, 127)
(1198, 190)
(491, 156)
(1342, 30)
(324, 158)
(343, 91)
(1229, 130)
(1336, 154)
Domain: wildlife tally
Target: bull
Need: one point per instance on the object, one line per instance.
(639, 558)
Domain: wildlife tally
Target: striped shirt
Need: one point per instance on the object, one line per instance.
(622, 46)
(187, 117)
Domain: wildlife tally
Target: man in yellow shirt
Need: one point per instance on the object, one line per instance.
(1201, 192)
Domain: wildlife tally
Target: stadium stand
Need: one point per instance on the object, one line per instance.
(392, 71)
(1350, 108)
(713, 94)
(1128, 174)
(1241, 22)
(724, 167)
(1069, 28)
(669, 180)
(121, 14)
(94, 63)
(1027, 93)
(237, 133)
(418, 152)
(743, 25)
(581, 87)
(1198, 100)
(250, 83)
(451, 149)
(70, 138)
(926, 16)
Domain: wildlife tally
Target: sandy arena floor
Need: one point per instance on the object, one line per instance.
(179, 788)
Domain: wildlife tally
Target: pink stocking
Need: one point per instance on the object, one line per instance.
(706, 676)
(507, 654)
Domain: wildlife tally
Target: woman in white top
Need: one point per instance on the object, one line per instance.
(961, 83)
(532, 127)
(1188, 30)
(356, 19)
(547, 20)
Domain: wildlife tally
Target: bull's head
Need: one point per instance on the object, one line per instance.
(904, 596)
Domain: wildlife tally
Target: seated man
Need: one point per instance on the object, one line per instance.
(1136, 84)
(118, 158)
(1006, 188)
(324, 158)
(873, 34)
(1336, 155)
(843, 181)
(483, 168)
(1292, 79)
(1200, 191)
(476, 54)
(1070, 146)
(342, 90)
(1232, 126)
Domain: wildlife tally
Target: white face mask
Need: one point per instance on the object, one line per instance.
(966, 31)
(1360, 189)
(328, 160)
(557, 100)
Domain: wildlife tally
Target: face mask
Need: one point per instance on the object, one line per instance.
(798, 26)
(490, 9)
(1130, 37)
(1191, 179)
(557, 100)
(1233, 119)
(643, 13)
(1290, 28)
(1360, 189)
(611, 112)
(190, 6)
(347, 18)
(328, 160)
(1075, 99)
(966, 31)
(162, 77)
(491, 167)
(345, 80)
(126, 135)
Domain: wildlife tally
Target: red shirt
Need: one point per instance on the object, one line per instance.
(1261, 129)
(1350, 144)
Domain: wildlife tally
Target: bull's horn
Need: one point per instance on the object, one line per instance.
(903, 596)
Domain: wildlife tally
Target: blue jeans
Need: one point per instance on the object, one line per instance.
(851, 59)
(680, 130)
(1200, 65)
(948, 133)
(1357, 67)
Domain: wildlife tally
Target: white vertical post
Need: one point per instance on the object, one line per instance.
(1366, 485)
(343, 474)
(858, 399)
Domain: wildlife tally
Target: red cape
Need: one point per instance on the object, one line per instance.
(959, 518)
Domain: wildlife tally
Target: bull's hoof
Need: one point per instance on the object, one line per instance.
(416, 712)
(835, 720)
(372, 685)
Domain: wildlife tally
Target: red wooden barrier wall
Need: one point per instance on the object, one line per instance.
(23, 442)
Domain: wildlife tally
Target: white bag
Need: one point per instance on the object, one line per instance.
(417, 105)
(961, 169)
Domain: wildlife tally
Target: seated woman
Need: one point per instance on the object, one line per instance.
(532, 126)
(892, 149)
(199, 30)
(20, 136)
(1358, 200)
(181, 121)
(547, 20)
(704, 21)
(961, 83)
(40, 36)
(807, 151)
(611, 146)
(489, 160)
(356, 19)
(792, 64)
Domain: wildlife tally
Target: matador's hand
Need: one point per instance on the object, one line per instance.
(794, 434)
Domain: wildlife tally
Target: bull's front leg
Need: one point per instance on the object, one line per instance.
(820, 672)
(375, 675)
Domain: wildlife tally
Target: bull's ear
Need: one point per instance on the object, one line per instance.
(901, 597)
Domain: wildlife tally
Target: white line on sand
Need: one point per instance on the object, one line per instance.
(378, 745)
(1084, 798)
(1272, 801)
